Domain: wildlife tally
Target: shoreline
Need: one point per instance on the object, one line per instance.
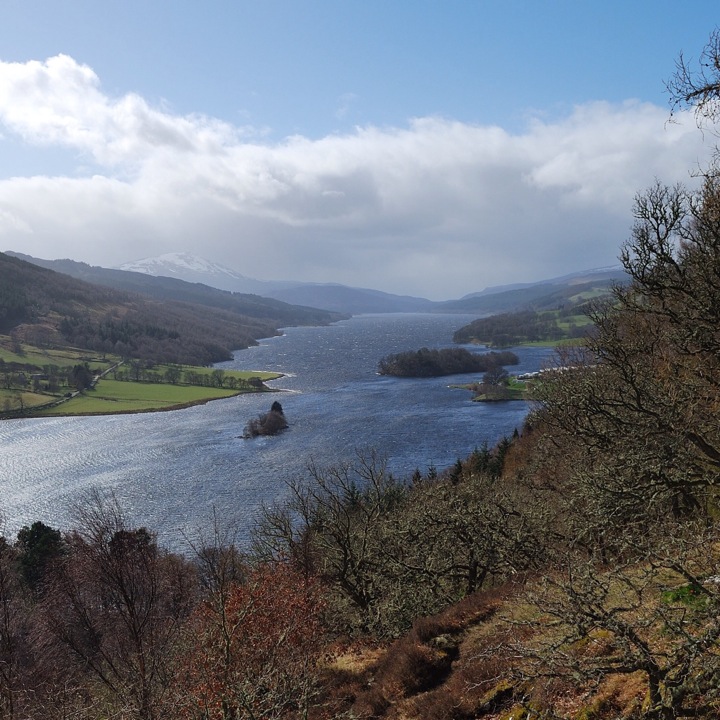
(166, 408)
(30, 415)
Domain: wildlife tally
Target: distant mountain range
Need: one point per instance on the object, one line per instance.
(192, 268)
(187, 277)
(543, 294)
(328, 296)
(614, 272)
(177, 289)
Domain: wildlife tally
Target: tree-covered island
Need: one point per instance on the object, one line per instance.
(428, 362)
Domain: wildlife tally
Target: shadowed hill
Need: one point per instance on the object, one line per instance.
(42, 307)
(543, 296)
(279, 313)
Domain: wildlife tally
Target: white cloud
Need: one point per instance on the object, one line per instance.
(437, 208)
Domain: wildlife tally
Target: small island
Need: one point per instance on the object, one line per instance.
(498, 385)
(271, 423)
(448, 361)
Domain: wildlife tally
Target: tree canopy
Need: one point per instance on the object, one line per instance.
(428, 362)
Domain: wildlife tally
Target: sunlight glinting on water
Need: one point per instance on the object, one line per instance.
(171, 470)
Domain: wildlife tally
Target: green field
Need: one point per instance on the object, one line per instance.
(62, 357)
(128, 393)
(112, 396)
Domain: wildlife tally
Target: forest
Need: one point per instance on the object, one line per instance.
(527, 326)
(569, 572)
(166, 321)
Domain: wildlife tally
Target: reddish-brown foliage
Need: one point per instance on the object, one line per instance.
(254, 655)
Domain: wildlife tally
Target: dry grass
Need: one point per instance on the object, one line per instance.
(484, 657)
(463, 664)
(414, 677)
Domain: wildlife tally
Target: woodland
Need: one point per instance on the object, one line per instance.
(428, 362)
(528, 326)
(572, 571)
(161, 320)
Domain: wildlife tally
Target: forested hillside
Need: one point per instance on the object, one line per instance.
(280, 314)
(42, 307)
(528, 326)
(551, 295)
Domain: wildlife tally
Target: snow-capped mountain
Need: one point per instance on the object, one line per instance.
(329, 296)
(192, 268)
(175, 263)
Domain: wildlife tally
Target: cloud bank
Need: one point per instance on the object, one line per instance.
(438, 208)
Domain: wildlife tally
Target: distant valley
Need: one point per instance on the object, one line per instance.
(541, 295)
(266, 306)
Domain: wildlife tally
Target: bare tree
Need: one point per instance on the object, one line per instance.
(331, 526)
(639, 398)
(698, 89)
(658, 618)
(12, 612)
(388, 552)
(251, 647)
(117, 603)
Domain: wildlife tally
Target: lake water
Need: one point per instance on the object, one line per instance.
(171, 470)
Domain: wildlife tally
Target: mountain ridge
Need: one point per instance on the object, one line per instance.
(328, 296)
(354, 300)
(191, 278)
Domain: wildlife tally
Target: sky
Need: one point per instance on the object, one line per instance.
(420, 147)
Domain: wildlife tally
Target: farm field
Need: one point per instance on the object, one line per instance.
(37, 382)
(113, 396)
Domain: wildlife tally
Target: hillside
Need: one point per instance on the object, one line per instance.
(279, 313)
(527, 326)
(553, 294)
(169, 322)
(546, 312)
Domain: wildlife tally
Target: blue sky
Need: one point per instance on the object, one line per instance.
(429, 148)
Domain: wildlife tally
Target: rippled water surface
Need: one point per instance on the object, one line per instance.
(171, 469)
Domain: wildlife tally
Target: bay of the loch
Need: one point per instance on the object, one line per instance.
(170, 470)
